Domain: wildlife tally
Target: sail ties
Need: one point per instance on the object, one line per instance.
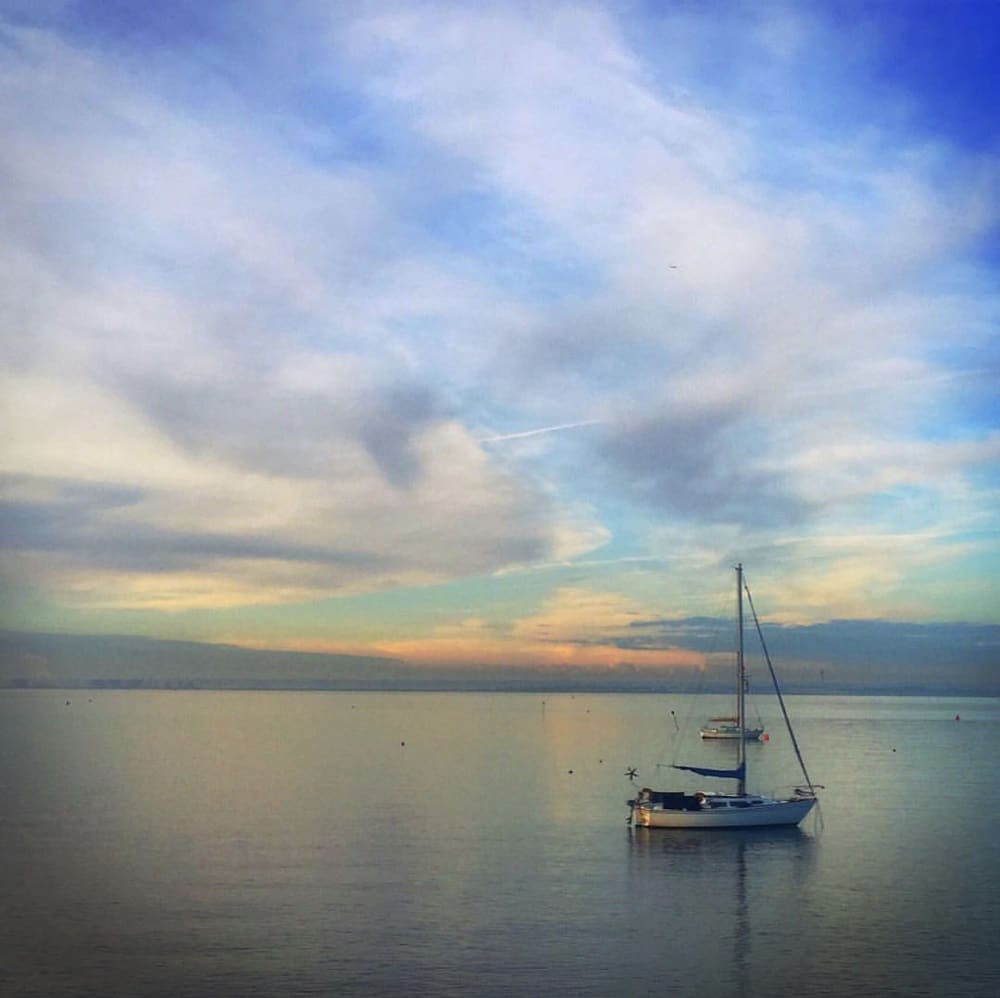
(723, 774)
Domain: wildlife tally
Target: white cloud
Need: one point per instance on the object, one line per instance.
(294, 327)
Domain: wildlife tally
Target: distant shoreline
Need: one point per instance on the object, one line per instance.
(38, 660)
(458, 686)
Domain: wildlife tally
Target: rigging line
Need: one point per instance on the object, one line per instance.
(777, 689)
(715, 645)
(752, 701)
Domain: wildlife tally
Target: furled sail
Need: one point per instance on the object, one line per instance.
(722, 774)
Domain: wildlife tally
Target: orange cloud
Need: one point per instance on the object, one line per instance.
(576, 628)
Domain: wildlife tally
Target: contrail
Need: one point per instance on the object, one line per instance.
(538, 432)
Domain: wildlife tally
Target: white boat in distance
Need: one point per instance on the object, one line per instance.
(708, 809)
(729, 728)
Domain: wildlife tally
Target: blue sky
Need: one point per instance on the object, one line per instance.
(472, 333)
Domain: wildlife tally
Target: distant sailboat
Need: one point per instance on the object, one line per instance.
(709, 809)
(728, 728)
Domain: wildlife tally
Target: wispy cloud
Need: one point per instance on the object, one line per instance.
(540, 431)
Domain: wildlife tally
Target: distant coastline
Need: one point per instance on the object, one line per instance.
(40, 661)
(466, 686)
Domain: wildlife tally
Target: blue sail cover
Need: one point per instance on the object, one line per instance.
(724, 774)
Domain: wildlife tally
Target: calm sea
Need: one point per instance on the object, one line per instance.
(349, 844)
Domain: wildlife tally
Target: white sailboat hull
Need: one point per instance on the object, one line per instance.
(760, 812)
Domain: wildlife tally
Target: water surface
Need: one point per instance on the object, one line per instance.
(198, 843)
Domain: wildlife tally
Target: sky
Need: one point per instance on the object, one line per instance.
(497, 333)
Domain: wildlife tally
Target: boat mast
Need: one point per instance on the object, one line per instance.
(740, 686)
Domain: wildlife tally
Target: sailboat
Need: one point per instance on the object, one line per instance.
(728, 728)
(709, 808)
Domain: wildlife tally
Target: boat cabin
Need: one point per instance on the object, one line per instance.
(700, 801)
